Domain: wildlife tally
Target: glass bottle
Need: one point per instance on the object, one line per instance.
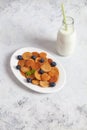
(66, 38)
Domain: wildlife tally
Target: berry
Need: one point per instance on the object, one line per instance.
(41, 60)
(52, 84)
(18, 67)
(19, 57)
(33, 57)
(41, 71)
(53, 64)
(29, 80)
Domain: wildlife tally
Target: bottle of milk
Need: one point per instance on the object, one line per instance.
(66, 38)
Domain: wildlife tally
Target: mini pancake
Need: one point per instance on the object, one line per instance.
(46, 67)
(35, 54)
(37, 75)
(44, 84)
(45, 77)
(25, 69)
(53, 71)
(53, 78)
(37, 59)
(43, 55)
(36, 82)
(29, 63)
(36, 65)
(21, 63)
(26, 55)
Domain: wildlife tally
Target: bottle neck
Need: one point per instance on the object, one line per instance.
(68, 25)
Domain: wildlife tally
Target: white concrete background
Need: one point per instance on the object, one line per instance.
(36, 23)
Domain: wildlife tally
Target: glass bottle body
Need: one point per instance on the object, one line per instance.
(66, 38)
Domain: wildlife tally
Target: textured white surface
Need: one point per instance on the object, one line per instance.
(35, 23)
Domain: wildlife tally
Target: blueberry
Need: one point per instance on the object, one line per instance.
(18, 67)
(53, 64)
(33, 57)
(19, 57)
(29, 80)
(52, 84)
(41, 60)
(41, 71)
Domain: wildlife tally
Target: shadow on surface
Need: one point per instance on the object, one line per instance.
(46, 44)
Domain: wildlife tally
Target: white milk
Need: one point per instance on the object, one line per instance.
(66, 39)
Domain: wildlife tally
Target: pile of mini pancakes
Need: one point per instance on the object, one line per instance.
(37, 68)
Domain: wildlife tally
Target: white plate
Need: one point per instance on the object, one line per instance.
(59, 84)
